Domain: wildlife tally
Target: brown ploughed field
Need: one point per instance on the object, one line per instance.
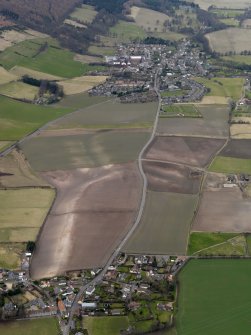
(93, 211)
(194, 151)
(223, 210)
(237, 149)
(166, 177)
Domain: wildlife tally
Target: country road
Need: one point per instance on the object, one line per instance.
(99, 277)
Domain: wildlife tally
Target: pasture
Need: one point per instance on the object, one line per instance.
(28, 54)
(165, 177)
(81, 84)
(6, 77)
(100, 212)
(181, 111)
(241, 130)
(86, 150)
(214, 123)
(20, 71)
(199, 241)
(85, 14)
(207, 291)
(127, 31)
(112, 325)
(19, 90)
(22, 213)
(79, 101)
(98, 50)
(4, 144)
(223, 210)
(245, 59)
(15, 171)
(223, 164)
(194, 151)
(164, 226)
(10, 255)
(43, 326)
(225, 4)
(18, 119)
(148, 19)
(225, 87)
(110, 114)
(230, 39)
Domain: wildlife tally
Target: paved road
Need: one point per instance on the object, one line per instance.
(117, 251)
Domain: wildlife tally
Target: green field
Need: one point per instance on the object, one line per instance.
(127, 31)
(80, 101)
(180, 111)
(165, 224)
(225, 87)
(230, 165)
(4, 144)
(230, 22)
(175, 93)
(248, 239)
(110, 114)
(214, 298)
(101, 50)
(18, 119)
(44, 326)
(84, 14)
(28, 54)
(199, 241)
(19, 90)
(245, 59)
(87, 150)
(227, 13)
(22, 213)
(107, 325)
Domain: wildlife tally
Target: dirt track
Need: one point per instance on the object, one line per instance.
(77, 234)
(165, 177)
(194, 151)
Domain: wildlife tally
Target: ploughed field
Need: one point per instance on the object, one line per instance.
(94, 209)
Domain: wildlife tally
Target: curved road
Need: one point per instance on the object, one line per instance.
(99, 277)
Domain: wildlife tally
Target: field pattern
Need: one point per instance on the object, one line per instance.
(43, 326)
(106, 325)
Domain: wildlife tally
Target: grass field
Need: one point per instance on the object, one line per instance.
(85, 14)
(88, 150)
(230, 165)
(22, 212)
(81, 84)
(214, 297)
(165, 224)
(199, 241)
(110, 114)
(232, 22)
(101, 50)
(228, 4)
(180, 111)
(227, 13)
(127, 31)
(175, 93)
(108, 325)
(239, 59)
(148, 19)
(18, 119)
(10, 255)
(80, 101)
(4, 144)
(230, 39)
(19, 90)
(21, 71)
(248, 239)
(5, 76)
(225, 87)
(27, 54)
(44, 326)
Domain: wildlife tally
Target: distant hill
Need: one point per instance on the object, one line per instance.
(41, 14)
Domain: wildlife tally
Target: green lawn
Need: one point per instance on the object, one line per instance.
(18, 119)
(214, 298)
(180, 111)
(230, 165)
(107, 325)
(225, 87)
(44, 326)
(199, 241)
(53, 60)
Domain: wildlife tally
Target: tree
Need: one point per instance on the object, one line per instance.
(30, 247)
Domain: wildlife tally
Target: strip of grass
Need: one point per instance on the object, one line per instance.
(230, 165)
(199, 241)
(43, 326)
(180, 111)
(107, 325)
(214, 298)
(18, 119)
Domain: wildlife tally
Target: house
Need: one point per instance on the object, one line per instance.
(89, 305)
(90, 290)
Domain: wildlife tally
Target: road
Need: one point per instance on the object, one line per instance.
(99, 277)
